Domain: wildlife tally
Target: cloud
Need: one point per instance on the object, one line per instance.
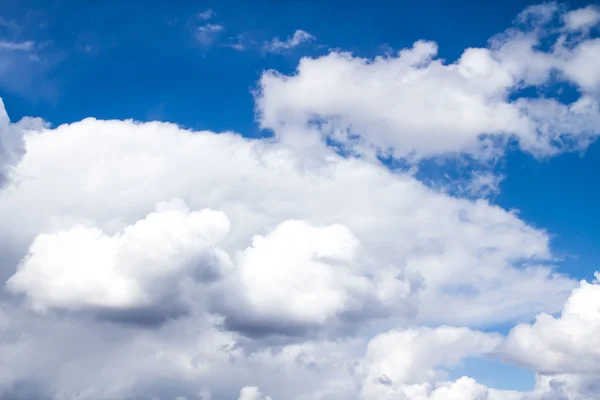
(582, 18)
(143, 260)
(206, 15)
(143, 268)
(243, 41)
(413, 105)
(17, 46)
(302, 276)
(207, 34)
(484, 184)
(278, 46)
(252, 393)
(410, 356)
(563, 345)
(11, 140)
(457, 254)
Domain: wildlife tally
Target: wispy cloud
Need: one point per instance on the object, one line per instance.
(207, 34)
(277, 45)
(16, 46)
(242, 42)
(237, 46)
(206, 15)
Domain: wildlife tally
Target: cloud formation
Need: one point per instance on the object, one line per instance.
(143, 260)
(144, 268)
(206, 15)
(276, 45)
(207, 34)
(414, 105)
(16, 46)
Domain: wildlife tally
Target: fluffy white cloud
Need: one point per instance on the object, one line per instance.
(11, 140)
(412, 104)
(252, 393)
(564, 345)
(582, 18)
(145, 266)
(462, 259)
(405, 364)
(299, 37)
(302, 276)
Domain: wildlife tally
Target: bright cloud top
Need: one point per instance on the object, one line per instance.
(142, 267)
(412, 104)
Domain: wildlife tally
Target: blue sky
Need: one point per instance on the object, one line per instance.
(201, 65)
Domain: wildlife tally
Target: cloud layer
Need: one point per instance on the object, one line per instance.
(413, 104)
(143, 260)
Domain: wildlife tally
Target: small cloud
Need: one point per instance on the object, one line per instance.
(237, 46)
(10, 25)
(207, 34)
(583, 18)
(484, 184)
(206, 15)
(243, 42)
(299, 37)
(16, 46)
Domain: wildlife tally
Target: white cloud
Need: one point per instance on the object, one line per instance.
(11, 140)
(303, 276)
(564, 345)
(206, 15)
(252, 393)
(313, 279)
(242, 42)
(415, 105)
(408, 364)
(484, 184)
(463, 259)
(299, 37)
(145, 266)
(207, 34)
(582, 18)
(16, 46)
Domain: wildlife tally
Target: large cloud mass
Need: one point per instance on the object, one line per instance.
(412, 104)
(142, 260)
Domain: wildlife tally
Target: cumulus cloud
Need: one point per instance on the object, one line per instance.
(301, 276)
(365, 244)
(142, 268)
(11, 140)
(455, 254)
(276, 45)
(563, 345)
(414, 105)
(411, 356)
(252, 393)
